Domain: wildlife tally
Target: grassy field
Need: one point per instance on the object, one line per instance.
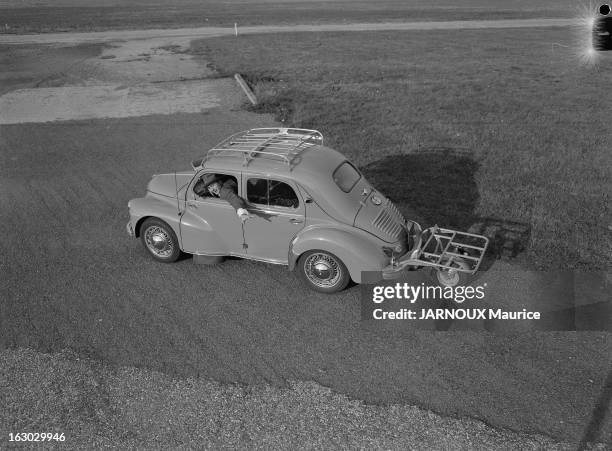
(518, 123)
(96, 406)
(75, 15)
(72, 278)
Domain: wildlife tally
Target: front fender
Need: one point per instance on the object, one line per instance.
(358, 250)
(149, 206)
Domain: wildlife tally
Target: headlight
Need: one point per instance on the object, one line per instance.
(376, 200)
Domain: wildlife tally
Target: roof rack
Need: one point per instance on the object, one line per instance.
(280, 143)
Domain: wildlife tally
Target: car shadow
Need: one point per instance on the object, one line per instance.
(437, 186)
(431, 186)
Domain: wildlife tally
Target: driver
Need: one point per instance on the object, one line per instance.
(224, 188)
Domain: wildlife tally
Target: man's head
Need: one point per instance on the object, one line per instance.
(211, 184)
(214, 188)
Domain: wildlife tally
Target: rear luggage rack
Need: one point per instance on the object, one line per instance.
(442, 246)
(284, 144)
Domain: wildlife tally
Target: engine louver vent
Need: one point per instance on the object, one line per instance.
(389, 221)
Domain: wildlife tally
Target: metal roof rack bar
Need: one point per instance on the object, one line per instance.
(282, 143)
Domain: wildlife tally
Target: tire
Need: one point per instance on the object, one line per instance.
(451, 277)
(323, 271)
(160, 240)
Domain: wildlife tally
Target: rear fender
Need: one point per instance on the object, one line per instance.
(358, 250)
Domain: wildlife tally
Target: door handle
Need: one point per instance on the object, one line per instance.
(296, 221)
(192, 205)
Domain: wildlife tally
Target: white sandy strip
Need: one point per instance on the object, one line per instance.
(108, 101)
(193, 33)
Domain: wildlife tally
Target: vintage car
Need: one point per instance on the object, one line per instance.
(309, 208)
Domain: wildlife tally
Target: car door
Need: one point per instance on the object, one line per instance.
(276, 215)
(210, 225)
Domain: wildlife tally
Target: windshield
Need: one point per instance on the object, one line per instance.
(346, 176)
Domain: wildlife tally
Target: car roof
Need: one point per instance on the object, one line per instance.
(290, 154)
(296, 154)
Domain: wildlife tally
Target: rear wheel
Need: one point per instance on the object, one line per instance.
(323, 271)
(160, 240)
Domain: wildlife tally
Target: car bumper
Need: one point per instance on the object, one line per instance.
(408, 260)
(389, 272)
(130, 229)
(392, 272)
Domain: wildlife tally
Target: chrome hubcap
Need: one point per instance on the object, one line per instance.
(158, 241)
(322, 270)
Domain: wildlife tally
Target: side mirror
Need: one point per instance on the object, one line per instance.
(195, 164)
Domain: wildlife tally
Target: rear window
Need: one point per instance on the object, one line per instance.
(346, 176)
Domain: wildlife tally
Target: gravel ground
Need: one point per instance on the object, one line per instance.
(95, 405)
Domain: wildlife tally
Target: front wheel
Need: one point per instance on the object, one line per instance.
(160, 240)
(451, 277)
(323, 271)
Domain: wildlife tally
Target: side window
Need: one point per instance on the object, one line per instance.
(257, 191)
(282, 195)
(271, 193)
(200, 187)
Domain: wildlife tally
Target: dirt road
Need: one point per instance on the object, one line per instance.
(204, 32)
